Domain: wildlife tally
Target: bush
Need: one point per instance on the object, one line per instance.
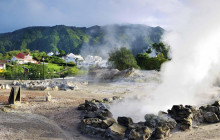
(122, 59)
(150, 63)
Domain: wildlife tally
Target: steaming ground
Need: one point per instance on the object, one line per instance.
(141, 99)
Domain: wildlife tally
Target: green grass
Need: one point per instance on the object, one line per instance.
(55, 67)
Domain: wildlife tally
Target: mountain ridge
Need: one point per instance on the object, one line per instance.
(75, 39)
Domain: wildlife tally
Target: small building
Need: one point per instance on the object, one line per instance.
(3, 64)
(23, 58)
(50, 54)
(73, 58)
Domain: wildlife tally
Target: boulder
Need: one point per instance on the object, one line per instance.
(138, 131)
(151, 120)
(161, 132)
(115, 132)
(182, 115)
(211, 117)
(125, 121)
(154, 121)
(216, 103)
(48, 97)
(107, 122)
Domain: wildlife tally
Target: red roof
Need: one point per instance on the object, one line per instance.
(3, 61)
(20, 55)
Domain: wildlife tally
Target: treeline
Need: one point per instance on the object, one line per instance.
(123, 58)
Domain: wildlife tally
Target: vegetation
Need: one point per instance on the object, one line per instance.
(122, 59)
(53, 67)
(71, 39)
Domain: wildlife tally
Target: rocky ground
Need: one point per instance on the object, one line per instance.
(34, 118)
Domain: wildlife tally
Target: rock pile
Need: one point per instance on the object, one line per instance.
(105, 74)
(47, 85)
(97, 121)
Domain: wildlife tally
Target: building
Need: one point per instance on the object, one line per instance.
(50, 54)
(23, 58)
(73, 58)
(3, 64)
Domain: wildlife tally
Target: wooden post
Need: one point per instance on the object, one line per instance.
(15, 95)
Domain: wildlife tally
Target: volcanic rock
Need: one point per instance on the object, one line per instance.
(107, 122)
(115, 132)
(182, 115)
(161, 132)
(138, 131)
(125, 121)
(154, 121)
(211, 117)
(216, 103)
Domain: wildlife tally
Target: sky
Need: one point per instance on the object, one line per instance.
(16, 14)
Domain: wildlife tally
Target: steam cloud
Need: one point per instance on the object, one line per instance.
(195, 64)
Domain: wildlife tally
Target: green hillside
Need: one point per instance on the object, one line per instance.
(72, 39)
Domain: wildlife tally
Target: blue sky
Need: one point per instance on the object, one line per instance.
(16, 14)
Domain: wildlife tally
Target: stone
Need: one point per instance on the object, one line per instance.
(7, 86)
(107, 122)
(94, 122)
(182, 115)
(154, 121)
(115, 132)
(210, 108)
(151, 120)
(47, 89)
(161, 132)
(48, 97)
(15, 95)
(101, 114)
(138, 131)
(55, 88)
(125, 121)
(211, 117)
(216, 103)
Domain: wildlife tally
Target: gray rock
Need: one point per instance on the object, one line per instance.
(125, 121)
(182, 115)
(115, 132)
(161, 132)
(211, 117)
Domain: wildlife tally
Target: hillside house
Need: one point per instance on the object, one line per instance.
(23, 58)
(3, 64)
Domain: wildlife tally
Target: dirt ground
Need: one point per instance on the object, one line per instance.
(34, 118)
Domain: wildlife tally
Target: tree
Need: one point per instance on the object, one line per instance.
(122, 59)
(150, 63)
(62, 53)
(161, 48)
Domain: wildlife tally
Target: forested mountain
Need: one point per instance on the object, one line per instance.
(75, 39)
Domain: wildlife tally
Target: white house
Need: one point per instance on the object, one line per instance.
(23, 58)
(93, 60)
(50, 54)
(73, 58)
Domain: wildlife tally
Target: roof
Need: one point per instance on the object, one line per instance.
(20, 55)
(3, 61)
